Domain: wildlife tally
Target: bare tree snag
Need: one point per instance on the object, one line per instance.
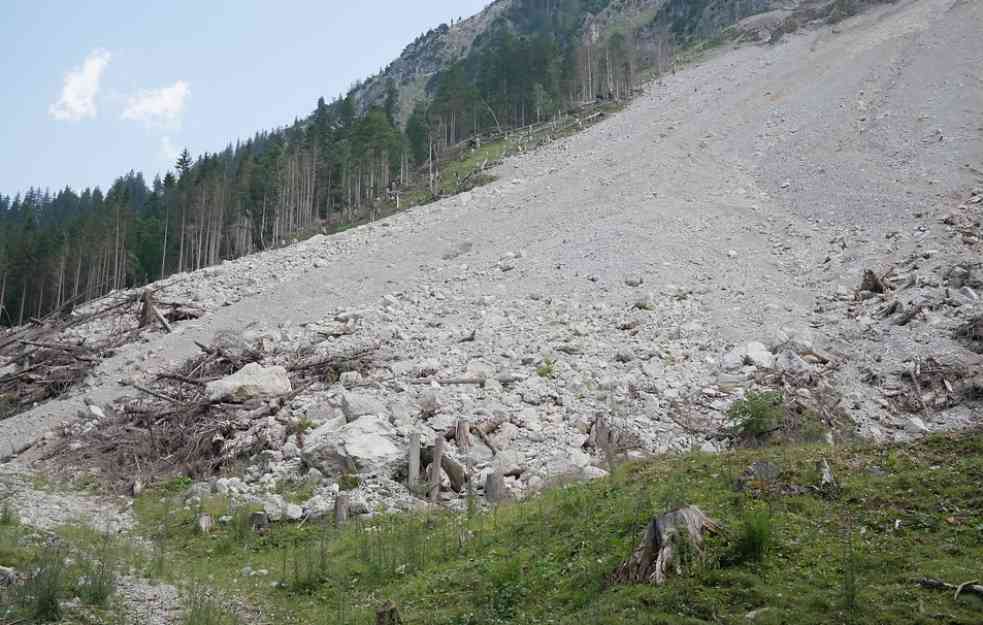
(413, 476)
(388, 614)
(658, 552)
(435, 466)
(342, 504)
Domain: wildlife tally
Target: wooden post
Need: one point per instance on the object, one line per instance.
(342, 504)
(412, 479)
(435, 468)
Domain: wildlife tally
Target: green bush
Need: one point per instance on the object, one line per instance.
(39, 597)
(756, 417)
(754, 539)
(8, 516)
(547, 370)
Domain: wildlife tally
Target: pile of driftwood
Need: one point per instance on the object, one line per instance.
(936, 383)
(173, 427)
(45, 358)
(38, 370)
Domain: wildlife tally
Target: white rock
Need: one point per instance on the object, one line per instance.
(790, 361)
(290, 450)
(293, 512)
(366, 445)
(916, 426)
(733, 360)
(253, 380)
(355, 405)
(758, 355)
(593, 473)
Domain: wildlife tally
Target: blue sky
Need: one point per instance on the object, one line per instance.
(94, 89)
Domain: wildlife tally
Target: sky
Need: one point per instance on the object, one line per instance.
(90, 90)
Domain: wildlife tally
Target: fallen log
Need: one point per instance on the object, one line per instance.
(937, 584)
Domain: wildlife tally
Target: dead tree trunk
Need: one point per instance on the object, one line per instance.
(666, 539)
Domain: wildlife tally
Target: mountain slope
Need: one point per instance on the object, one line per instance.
(571, 22)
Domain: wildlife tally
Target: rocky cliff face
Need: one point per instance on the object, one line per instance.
(431, 52)
(650, 21)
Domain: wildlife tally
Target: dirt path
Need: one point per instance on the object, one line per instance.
(730, 177)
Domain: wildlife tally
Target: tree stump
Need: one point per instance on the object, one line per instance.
(438, 455)
(147, 316)
(495, 486)
(413, 476)
(388, 614)
(660, 549)
(342, 504)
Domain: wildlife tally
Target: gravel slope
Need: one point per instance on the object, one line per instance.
(729, 178)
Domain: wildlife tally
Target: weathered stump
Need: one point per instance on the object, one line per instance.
(435, 464)
(388, 614)
(495, 486)
(342, 505)
(659, 550)
(413, 476)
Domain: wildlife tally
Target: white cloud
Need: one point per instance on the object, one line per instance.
(168, 151)
(78, 95)
(158, 107)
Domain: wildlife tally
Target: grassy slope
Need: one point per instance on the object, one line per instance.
(546, 560)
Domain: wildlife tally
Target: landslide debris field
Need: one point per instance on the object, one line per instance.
(777, 244)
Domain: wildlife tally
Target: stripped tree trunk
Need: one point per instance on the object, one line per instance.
(660, 549)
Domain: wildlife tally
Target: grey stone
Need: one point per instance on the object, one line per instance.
(355, 405)
(366, 445)
(758, 355)
(915, 425)
(253, 380)
(791, 362)
(293, 512)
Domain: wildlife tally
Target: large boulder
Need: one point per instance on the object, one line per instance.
(356, 405)
(366, 445)
(253, 380)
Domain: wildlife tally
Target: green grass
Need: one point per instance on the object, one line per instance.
(803, 558)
